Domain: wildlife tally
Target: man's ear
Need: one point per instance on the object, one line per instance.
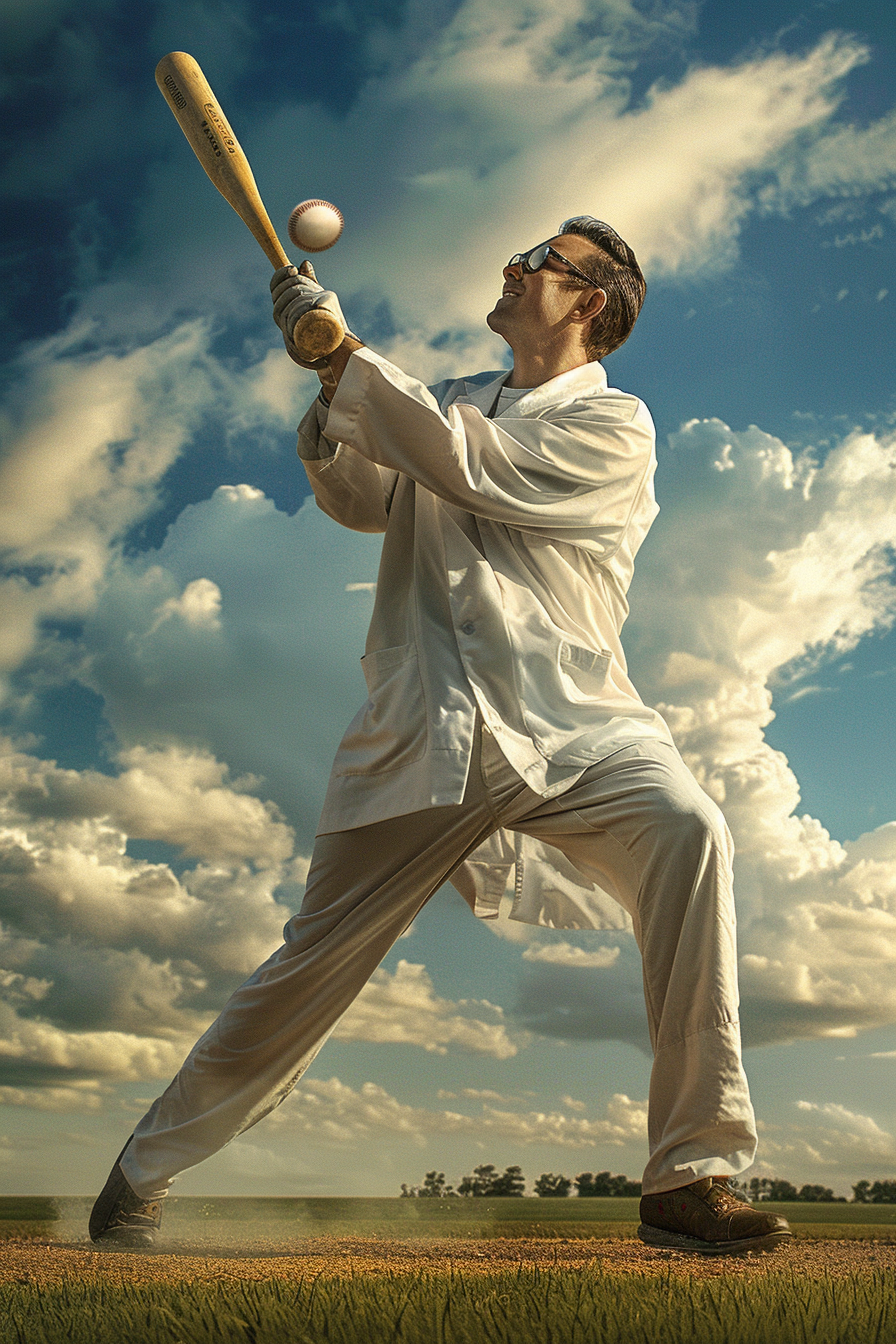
(595, 303)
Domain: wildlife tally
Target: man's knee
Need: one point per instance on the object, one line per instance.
(689, 828)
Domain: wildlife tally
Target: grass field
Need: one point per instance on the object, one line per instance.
(479, 1271)
(528, 1306)
(65, 1218)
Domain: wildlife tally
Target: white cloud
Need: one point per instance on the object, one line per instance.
(90, 436)
(111, 966)
(336, 1113)
(503, 115)
(564, 954)
(827, 1141)
(39, 1048)
(763, 591)
(86, 1097)
(199, 605)
(846, 161)
(403, 1009)
(751, 578)
(271, 687)
(180, 796)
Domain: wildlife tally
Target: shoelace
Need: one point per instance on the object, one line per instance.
(722, 1197)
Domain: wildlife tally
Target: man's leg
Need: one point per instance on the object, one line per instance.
(640, 818)
(364, 888)
(639, 824)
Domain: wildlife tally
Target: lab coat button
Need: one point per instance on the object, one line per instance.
(468, 628)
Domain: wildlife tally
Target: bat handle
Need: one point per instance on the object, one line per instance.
(317, 334)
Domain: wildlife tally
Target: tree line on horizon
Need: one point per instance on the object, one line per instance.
(487, 1181)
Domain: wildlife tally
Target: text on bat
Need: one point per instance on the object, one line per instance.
(176, 96)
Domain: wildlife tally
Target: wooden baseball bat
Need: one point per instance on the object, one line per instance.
(199, 115)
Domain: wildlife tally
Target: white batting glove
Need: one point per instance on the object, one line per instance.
(296, 292)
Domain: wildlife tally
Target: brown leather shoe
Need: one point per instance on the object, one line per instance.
(708, 1217)
(121, 1220)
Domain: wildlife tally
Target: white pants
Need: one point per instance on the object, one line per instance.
(644, 813)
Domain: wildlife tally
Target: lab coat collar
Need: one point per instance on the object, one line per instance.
(585, 381)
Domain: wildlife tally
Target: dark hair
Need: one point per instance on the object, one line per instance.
(614, 268)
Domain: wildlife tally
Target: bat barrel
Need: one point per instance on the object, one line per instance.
(199, 115)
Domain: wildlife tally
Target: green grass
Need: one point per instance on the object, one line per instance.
(527, 1306)
(65, 1219)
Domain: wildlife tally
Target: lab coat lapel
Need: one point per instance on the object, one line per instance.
(484, 398)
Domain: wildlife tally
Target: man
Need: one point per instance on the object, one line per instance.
(501, 728)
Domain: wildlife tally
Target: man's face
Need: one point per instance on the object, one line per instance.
(534, 303)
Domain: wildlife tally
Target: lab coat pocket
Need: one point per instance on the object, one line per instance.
(584, 671)
(390, 730)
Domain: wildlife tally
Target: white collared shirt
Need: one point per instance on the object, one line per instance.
(508, 551)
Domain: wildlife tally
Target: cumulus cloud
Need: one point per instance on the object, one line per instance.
(565, 954)
(336, 1113)
(266, 674)
(402, 1008)
(87, 1097)
(534, 123)
(826, 1140)
(771, 562)
(90, 436)
(111, 965)
(172, 794)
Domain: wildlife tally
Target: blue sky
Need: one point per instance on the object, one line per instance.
(182, 628)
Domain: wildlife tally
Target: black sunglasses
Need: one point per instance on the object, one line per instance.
(535, 258)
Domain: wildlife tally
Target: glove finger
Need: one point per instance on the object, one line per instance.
(301, 284)
(307, 269)
(294, 294)
(284, 273)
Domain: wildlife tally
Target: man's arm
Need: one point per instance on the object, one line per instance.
(575, 473)
(347, 487)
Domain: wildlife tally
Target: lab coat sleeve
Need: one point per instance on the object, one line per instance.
(572, 473)
(347, 486)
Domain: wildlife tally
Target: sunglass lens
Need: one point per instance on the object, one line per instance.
(537, 257)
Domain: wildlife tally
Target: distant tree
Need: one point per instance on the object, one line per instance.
(434, 1186)
(553, 1187)
(767, 1188)
(481, 1182)
(861, 1192)
(816, 1194)
(511, 1182)
(883, 1192)
(603, 1184)
(487, 1180)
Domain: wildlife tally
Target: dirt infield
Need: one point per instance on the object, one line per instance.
(45, 1263)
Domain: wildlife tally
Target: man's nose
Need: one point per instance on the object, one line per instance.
(513, 270)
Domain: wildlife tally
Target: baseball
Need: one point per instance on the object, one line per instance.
(315, 225)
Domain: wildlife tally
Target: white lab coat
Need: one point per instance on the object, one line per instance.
(509, 548)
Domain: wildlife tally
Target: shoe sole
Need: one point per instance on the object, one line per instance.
(677, 1241)
(125, 1239)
